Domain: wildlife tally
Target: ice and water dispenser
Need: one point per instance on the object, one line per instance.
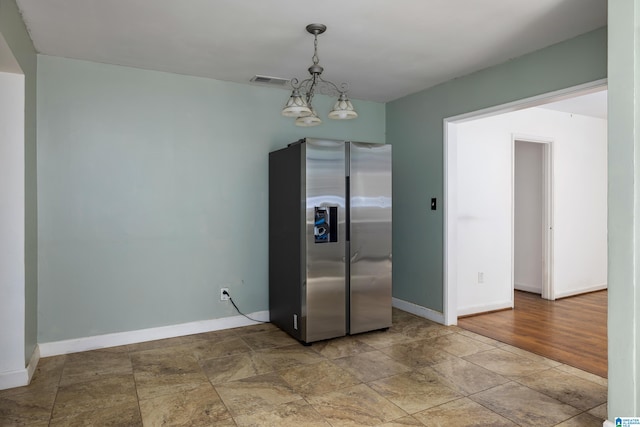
(325, 227)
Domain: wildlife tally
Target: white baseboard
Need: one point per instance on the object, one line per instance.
(418, 310)
(13, 379)
(574, 292)
(20, 377)
(527, 288)
(33, 363)
(476, 309)
(132, 337)
(608, 423)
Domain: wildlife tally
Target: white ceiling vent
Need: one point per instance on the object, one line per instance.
(271, 81)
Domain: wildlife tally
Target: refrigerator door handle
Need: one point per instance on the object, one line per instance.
(348, 208)
(333, 224)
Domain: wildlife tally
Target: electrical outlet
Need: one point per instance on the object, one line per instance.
(224, 296)
(480, 277)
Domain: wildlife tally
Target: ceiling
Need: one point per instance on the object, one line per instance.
(592, 104)
(384, 49)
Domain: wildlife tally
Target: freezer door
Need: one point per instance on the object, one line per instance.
(325, 303)
(370, 236)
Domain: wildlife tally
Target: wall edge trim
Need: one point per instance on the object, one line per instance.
(418, 310)
(527, 288)
(33, 363)
(477, 309)
(21, 377)
(12, 379)
(586, 290)
(76, 345)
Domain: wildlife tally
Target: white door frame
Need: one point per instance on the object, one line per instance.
(450, 303)
(547, 211)
(13, 372)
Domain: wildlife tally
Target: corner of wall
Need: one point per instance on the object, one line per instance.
(14, 32)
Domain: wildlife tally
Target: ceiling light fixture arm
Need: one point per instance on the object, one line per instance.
(316, 83)
(299, 103)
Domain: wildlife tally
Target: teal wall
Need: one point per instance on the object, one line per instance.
(624, 194)
(18, 40)
(153, 194)
(415, 128)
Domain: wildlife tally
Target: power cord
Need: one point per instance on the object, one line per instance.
(238, 310)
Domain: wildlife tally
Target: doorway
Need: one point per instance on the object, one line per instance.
(476, 279)
(569, 330)
(532, 216)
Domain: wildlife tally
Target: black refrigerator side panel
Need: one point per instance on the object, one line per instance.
(286, 187)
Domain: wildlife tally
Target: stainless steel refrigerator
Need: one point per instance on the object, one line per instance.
(330, 238)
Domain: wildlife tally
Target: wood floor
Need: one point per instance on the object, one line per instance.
(570, 330)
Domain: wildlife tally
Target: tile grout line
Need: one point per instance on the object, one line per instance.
(135, 384)
(254, 350)
(57, 388)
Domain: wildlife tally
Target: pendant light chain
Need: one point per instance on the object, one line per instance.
(315, 58)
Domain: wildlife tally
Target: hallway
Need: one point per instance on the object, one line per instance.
(570, 330)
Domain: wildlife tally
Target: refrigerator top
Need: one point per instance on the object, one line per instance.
(330, 142)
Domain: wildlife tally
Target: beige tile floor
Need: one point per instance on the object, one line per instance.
(417, 373)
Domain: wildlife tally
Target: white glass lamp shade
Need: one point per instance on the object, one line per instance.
(296, 106)
(343, 109)
(309, 120)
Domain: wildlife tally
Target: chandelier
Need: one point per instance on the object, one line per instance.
(299, 103)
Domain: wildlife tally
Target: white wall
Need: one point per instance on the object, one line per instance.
(528, 216)
(624, 208)
(484, 220)
(12, 228)
(484, 201)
